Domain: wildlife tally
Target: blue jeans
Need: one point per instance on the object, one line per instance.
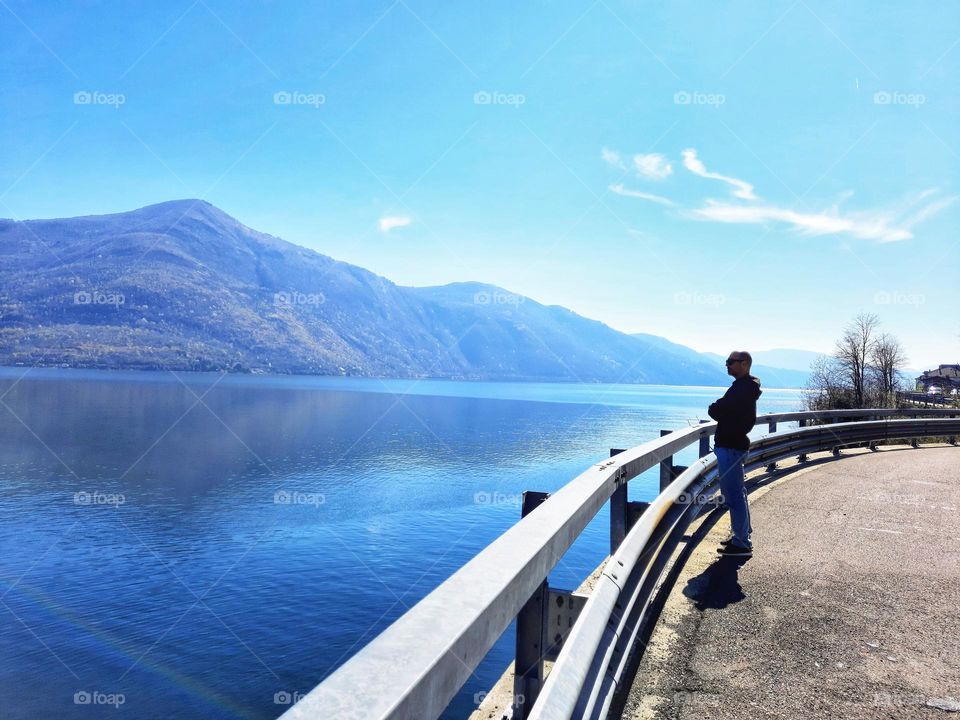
(730, 468)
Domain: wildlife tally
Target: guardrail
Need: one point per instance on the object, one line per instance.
(417, 665)
(927, 399)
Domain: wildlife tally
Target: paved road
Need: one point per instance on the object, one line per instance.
(850, 607)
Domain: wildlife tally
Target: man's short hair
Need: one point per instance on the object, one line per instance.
(746, 357)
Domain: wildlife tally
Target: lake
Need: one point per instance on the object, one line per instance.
(207, 546)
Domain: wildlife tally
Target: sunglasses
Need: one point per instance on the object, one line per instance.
(731, 362)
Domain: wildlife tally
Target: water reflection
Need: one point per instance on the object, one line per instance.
(198, 595)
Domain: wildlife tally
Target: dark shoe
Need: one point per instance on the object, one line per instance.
(731, 550)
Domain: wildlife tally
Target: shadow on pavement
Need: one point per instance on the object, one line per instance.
(717, 586)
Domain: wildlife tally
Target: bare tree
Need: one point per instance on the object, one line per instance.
(887, 358)
(827, 387)
(864, 370)
(853, 352)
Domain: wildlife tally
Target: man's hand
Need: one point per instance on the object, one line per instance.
(716, 410)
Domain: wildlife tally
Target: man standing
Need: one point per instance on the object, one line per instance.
(736, 414)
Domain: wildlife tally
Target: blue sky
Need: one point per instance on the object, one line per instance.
(723, 174)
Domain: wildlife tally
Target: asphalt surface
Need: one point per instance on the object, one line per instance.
(849, 608)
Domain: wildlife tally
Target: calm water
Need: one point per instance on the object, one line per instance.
(206, 546)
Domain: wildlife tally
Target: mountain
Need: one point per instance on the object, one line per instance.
(787, 358)
(513, 336)
(182, 285)
(770, 373)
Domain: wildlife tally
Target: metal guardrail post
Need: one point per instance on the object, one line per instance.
(802, 457)
(623, 513)
(704, 446)
(618, 511)
(563, 610)
(953, 438)
(531, 633)
(772, 427)
(666, 466)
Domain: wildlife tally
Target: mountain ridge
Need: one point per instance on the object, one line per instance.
(182, 285)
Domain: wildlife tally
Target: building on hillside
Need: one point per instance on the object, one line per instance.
(945, 379)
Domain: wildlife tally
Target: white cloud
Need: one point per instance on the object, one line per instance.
(652, 166)
(612, 157)
(881, 225)
(619, 189)
(931, 210)
(888, 224)
(742, 189)
(386, 224)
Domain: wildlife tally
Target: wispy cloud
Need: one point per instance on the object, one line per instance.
(652, 165)
(619, 189)
(741, 188)
(881, 225)
(386, 224)
(919, 212)
(612, 157)
(888, 224)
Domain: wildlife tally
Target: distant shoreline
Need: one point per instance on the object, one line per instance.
(38, 371)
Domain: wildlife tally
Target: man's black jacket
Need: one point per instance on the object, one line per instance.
(736, 413)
